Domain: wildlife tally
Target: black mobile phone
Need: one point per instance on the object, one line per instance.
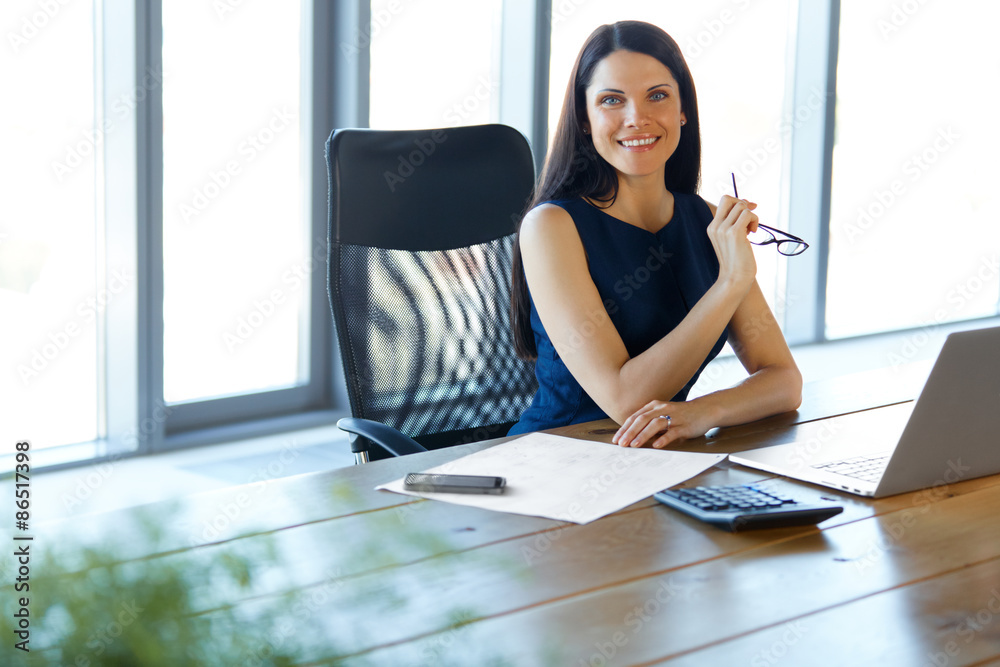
(418, 481)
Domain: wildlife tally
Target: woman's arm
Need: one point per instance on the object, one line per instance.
(774, 385)
(577, 322)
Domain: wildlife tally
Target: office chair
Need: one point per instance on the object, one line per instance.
(421, 231)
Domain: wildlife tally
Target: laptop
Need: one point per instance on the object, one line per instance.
(951, 433)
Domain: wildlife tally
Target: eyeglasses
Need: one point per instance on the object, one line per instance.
(790, 246)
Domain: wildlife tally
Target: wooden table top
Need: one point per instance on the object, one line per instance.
(382, 579)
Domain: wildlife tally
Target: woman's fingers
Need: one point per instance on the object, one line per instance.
(741, 217)
(728, 232)
(629, 434)
(655, 424)
(659, 432)
(621, 436)
(725, 208)
(635, 423)
(646, 425)
(728, 203)
(747, 221)
(666, 439)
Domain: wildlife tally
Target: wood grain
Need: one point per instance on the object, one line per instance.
(680, 610)
(376, 578)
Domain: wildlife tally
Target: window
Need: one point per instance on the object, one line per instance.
(197, 123)
(913, 241)
(236, 256)
(53, 137)
(433, 64)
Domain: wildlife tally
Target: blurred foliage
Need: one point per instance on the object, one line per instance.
(87, 608)
(144, 597)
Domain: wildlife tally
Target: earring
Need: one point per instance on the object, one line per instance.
(586, 131)
(683, 121)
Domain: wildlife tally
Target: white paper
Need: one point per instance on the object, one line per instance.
(567, 478)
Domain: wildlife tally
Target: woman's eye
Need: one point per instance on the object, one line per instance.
(658, 95)
(610, 100)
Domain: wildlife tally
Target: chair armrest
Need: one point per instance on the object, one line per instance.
(387, 437)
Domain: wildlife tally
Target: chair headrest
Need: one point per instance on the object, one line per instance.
(432, 189)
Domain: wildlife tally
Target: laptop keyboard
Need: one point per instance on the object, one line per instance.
(867, 468)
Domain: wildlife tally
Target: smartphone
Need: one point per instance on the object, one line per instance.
(417, 481)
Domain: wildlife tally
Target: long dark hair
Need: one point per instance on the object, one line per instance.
(573, 168)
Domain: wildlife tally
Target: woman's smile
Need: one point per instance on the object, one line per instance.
(639, 143)
(634, 113)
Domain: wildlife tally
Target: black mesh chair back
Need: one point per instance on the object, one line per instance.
(421, 234)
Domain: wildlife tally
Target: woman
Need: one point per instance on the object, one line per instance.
(626, 283)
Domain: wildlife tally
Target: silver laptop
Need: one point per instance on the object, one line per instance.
(950, 434)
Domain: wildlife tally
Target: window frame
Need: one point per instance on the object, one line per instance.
(808, 167)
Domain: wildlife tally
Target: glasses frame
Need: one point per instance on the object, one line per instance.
(791, 242)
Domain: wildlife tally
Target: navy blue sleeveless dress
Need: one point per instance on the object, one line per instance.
(648, 282)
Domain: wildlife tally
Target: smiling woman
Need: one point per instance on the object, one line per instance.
(637, 128)
(619, 186)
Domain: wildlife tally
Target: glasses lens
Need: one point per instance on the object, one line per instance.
(761, 236)
(791, 247)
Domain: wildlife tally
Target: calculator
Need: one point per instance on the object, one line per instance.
(745, 506)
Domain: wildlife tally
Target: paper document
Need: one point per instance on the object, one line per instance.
(566, 478)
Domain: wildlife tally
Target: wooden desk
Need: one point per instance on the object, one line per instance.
(383, 579)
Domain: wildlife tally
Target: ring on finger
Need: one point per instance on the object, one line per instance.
(667, 418)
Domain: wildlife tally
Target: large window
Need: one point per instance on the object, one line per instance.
(161, 244)
(914, 239)
(52, 138)
(236, 261)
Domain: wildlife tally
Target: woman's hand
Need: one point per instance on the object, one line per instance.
(688, 419)
(734, 219)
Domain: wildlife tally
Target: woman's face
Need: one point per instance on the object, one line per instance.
(634, 112)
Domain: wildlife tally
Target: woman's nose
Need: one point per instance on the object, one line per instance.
(636, 115)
